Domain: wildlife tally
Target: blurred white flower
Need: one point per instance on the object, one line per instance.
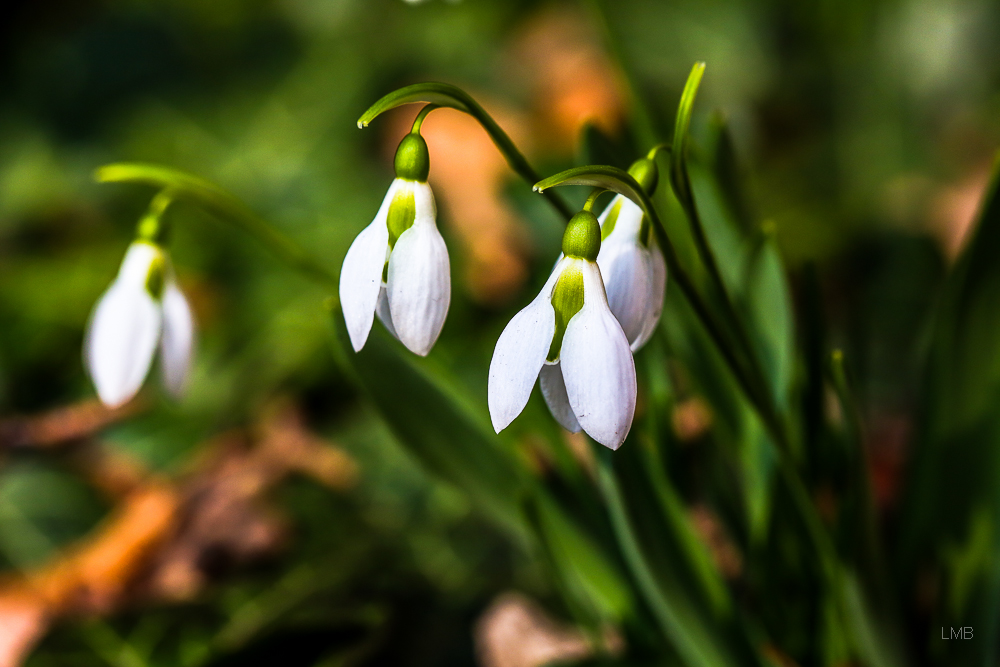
(397, 267)
(569, 339)
(142, 309)
(635, 274)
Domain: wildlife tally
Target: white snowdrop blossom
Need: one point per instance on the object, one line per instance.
(635, 274)
(397, 267)
(141, 311)
(569, 339)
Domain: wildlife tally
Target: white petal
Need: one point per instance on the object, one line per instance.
(135, 266)
(626, 271)
(657, 289)
(382, 310)
(419, 280)
(598, 368)
(121, 339)
(361, 274)
(177, 342)
(519, 356)
(550, 379)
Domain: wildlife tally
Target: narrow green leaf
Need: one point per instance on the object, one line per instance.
(681, 126)
(588, 575)
(694, 640)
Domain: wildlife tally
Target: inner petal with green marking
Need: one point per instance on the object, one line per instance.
(567, 300)
(402, 213)
(155, 277)
(611, 220)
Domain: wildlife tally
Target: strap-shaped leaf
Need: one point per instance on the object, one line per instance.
(453, 97)
(678, 175)
(220, 203)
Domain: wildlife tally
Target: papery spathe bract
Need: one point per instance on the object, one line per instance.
(570, 341)
(143, 308)
(633, 268)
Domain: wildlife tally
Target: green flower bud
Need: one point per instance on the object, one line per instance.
(582, 237)
(645, 172)
(413, 162)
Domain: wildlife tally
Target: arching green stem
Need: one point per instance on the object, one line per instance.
(179, 185)
(453, 97)
(592, 199)
(419, 120)
(655, 150)
(153, 225)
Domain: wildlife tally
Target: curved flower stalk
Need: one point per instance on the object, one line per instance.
(569, 339)
(142, 309)
(398, 267)
(635, 273)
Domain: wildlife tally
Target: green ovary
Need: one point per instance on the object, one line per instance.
(567, 300)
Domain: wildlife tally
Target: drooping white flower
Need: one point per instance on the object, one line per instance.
(142, 309)
(635, 274)
(398, 267)
(571, 342)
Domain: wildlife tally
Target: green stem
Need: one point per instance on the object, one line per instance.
(225, 206)
(419, 120)
(153, 226)
(447, 95)
(592, 199)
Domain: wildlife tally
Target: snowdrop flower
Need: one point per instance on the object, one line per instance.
(569, 339)
(142, 309)
(635, 274)
(397, 266)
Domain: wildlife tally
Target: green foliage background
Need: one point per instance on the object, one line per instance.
(840, 119)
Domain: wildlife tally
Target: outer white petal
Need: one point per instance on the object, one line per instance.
(627, 277)
(382, 310)
(519, 356)
(657, 289)
(177, 342)
(598, 368)
(121, 339)
(550, 379)
(135, 266)
(361, 274)
(419, 280)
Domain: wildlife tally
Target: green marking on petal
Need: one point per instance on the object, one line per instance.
(156, 278)
(567, 300)
(611, 220)
(402, 213)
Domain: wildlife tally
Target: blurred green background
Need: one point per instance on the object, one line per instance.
(861, 132)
